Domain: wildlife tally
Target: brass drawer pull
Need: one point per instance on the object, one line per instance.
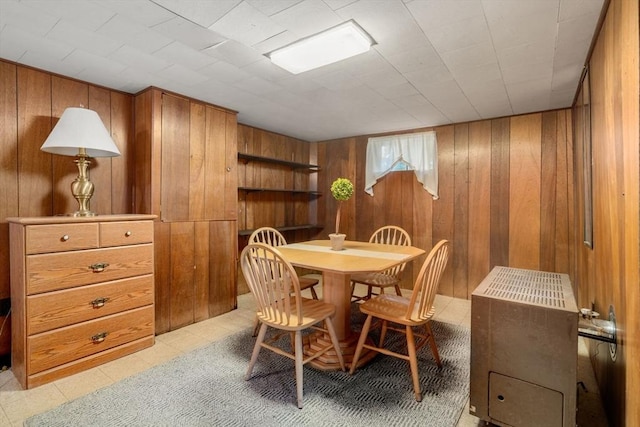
(64, 238)
(98, 338)
(99, 302)
(127, 234)
(99, 267)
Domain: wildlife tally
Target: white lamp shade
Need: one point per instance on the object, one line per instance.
(80, 128)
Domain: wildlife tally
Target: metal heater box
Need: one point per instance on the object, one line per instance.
(524, 349)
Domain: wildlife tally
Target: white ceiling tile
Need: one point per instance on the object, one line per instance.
(307, 17)
(524, 72)
(271, 7)
(257, 86)
(246, 25)
(25, 17)
(89, 41)
(470, 78)
(178, 53)
(224, 72)
(202, 12)
(135, 58)
(402, 90)
(52, 63)
(540, 52)
(89, 15)
(459, 34)
(134, 34)
(438, 13)
(36, 44)
(570, 9)
(185, 75)
(415, 59)
(234, 53)
(188, 33)
(145, 12)
(480, 54)
(93, 64)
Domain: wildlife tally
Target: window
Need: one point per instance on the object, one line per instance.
(413, 151)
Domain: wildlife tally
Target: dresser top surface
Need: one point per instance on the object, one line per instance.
(66, 219)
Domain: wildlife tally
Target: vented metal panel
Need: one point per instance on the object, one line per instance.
(527, 286)
(524, 349)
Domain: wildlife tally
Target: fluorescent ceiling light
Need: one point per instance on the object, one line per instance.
(333, 45)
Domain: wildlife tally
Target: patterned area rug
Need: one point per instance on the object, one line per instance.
(206, 387)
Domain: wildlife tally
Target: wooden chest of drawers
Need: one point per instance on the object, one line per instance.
(82, 293)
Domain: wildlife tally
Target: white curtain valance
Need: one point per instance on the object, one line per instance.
(418, 150)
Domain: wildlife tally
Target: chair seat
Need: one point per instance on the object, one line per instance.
(375, 279)
(307, 282)
(313, 310)
(394, 309)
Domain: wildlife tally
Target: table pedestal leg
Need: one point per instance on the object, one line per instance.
(336, 289)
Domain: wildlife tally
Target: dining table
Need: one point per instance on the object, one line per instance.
(337, 266)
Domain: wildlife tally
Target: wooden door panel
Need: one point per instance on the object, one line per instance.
(175, 158)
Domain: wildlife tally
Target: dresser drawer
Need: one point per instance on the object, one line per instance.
(64, 345)
(62, 308)
(60, 237)
(50, 272)
(125, 233)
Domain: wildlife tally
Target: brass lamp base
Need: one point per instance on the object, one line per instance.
(82, 188)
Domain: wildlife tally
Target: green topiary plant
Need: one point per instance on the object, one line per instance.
(342, 190)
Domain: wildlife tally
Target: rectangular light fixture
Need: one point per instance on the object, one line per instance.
(335, 44)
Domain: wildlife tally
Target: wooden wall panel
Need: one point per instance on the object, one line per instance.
(204, 250)
(490, 205)
(443, 208)
(162, 259)
(9, 173)
(182, 289)
(608, 273)
(123, 166)
(222, 268)
(461, 211)
(524, 192)
(479, 237)
(35, 188)
(100, 168)
(175, 158)
(197, 168)
(500, 167)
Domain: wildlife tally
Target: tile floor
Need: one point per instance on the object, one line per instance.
(17, 404)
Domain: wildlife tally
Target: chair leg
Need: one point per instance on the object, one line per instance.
(314, 295)
(256, 327)
(334, 340)
(361, 341)
(432, 344)
(398, 291)
(413, 362)
(383, 333)
(256, 350)
(298, 361)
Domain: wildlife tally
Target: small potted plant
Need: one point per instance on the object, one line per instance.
(342, 190)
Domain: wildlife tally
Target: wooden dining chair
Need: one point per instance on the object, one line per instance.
(389, 235)
(392, 312)
(272, 237)
(276, 288)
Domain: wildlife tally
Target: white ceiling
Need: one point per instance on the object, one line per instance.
(435, 61)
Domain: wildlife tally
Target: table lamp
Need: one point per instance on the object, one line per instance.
(81, 133)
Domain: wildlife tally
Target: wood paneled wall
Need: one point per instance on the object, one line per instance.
(504, 189)
(34, 183)
(608, 275)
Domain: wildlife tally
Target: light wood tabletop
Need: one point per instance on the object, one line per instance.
(336, 268)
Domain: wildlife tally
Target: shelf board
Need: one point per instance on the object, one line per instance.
(294, 165)
(285, 229)
(279, 190)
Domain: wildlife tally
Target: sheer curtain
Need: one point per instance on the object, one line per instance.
(418, 150)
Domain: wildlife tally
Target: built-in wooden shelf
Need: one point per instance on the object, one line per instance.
(285, 229)
(280, 190)
(246, 158)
